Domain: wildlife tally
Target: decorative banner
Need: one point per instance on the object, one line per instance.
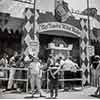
(27, 39)
(30, 41)
(84, 57)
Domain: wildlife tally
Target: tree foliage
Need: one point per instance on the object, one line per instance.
(90, 11)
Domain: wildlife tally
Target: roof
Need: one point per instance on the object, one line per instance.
(17, 23)
(14, 8)
(14, 24)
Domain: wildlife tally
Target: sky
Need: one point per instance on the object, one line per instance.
(82, 4)
(75, 4)
(17, 8)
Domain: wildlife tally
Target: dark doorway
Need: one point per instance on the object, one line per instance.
(9, 42)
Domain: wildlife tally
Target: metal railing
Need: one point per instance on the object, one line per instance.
(62, 79)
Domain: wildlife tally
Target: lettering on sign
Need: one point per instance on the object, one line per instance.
(59, 26)
(91, 50)
(33, 43)
(33, 47)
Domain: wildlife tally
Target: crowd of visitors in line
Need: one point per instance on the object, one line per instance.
(36, 68)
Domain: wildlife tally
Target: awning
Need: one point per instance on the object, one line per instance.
(14, 24)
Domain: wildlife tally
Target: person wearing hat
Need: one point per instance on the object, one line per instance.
(35, 76)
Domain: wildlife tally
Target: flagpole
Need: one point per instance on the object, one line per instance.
(89, 37)
(88, 22)
(34, 17)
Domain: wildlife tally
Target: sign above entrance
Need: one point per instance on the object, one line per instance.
(59, 26)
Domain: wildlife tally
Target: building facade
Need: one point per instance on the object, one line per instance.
(62, 30)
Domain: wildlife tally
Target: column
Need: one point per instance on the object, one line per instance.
(84, 55)
(30, 41)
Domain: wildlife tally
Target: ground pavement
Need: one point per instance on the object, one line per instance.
(76, 94)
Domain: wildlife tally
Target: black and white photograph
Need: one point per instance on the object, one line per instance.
(49, 49)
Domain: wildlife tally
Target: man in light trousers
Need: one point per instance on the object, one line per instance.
(35, 76)
(12, 71)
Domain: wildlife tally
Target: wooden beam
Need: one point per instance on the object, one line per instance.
(24, 2)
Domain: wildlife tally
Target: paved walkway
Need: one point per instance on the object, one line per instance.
(80, 94)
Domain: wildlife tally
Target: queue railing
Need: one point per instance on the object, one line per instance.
(6, 78)
(62, 79)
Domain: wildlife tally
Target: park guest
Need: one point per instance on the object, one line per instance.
(35, 76)
(53, 76)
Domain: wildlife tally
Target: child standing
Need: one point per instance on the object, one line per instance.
(53, 76)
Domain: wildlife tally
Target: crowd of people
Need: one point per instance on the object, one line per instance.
(35, 68)
(12, 63)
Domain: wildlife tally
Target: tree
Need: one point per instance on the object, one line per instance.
(91, 11)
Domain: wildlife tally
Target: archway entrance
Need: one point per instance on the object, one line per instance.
(45, 39)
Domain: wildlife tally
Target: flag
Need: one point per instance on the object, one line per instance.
(63, 11)
(68, 13)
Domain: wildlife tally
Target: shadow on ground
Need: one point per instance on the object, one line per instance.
(96, 96)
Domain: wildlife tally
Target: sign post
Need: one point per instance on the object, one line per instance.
(34, 48)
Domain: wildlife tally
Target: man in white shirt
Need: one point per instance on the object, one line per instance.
(12, 63)
(35, 76)
(69, 65)
(69, 68)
